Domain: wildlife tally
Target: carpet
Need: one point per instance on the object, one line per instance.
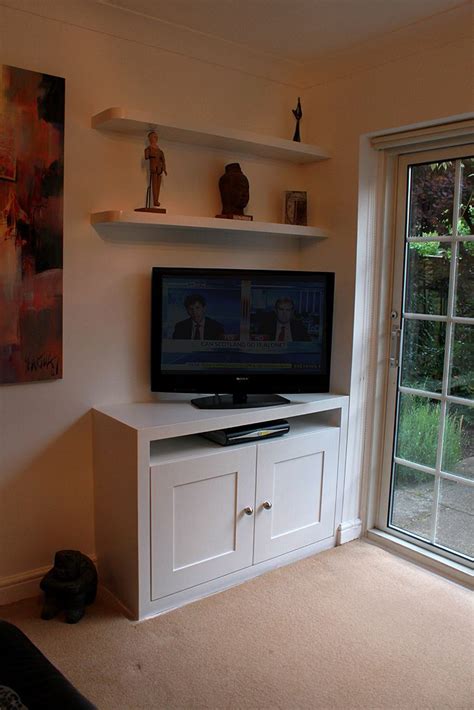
(353, 627)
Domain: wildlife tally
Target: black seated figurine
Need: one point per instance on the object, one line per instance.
(69, 585)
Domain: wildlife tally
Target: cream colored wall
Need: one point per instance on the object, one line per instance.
(46, 461)
(429, 84)
(432, 81)
(111, 59)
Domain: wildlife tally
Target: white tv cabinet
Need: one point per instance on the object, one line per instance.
(179, 517)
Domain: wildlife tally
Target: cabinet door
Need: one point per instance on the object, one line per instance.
(297, 477)
(199, 530)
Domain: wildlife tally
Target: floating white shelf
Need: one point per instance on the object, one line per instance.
(123, 121)
(151, 221)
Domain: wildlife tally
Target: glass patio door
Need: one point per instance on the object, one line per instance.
(428, 485)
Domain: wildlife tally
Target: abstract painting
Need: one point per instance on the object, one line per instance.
(31, 225)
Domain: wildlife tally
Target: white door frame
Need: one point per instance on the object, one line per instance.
(435, 155)
(379, 153)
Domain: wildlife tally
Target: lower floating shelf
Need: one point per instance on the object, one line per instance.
(148, 221)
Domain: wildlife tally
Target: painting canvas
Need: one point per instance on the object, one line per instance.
(31, 225)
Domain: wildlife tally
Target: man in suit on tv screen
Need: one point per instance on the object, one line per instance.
(284, 326)
(198, 326)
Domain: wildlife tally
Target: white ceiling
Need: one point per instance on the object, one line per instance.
(297, 30)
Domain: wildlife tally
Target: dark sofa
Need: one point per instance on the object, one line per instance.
(27, 672)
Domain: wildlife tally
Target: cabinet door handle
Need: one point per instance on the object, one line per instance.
(267, 505)
(248, 510)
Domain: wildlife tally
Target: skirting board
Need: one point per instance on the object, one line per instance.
(351, 530)
(220, 584)
(24, 585)
(425, 558)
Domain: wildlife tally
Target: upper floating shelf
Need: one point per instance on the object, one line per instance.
(119, 119)
(150, 221)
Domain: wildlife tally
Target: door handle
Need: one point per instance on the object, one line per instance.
(395, 347)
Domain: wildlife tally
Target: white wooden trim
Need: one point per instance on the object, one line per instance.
(458, 478)
(422, 138)
(441, 565)
(425, 316)
(453, 267)
(399, 229)
(459, 400)
(371, 330)
(24, 585)
(377, 175)
(463, 320)
(21, 586)
(460, 320)
(437, 395)
(420, 393)
(441, 239)
(174, 601)
(415, 466)
(346, 532)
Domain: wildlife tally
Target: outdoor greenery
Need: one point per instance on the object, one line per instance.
(424, 341)
(418, 430)
(432, 199)
(423, 355)
(428, 272)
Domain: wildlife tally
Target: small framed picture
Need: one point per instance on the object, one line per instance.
(296, 208)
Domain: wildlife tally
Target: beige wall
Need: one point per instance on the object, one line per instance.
(46, 466)
(115, 59)
(429, 84)
(428, 80)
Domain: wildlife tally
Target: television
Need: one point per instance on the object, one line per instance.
(243, 335)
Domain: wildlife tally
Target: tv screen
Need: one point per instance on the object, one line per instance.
(241, 332)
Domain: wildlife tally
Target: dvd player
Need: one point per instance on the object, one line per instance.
(249, 432)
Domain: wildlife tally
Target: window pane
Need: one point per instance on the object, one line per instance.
(431, 199)
(412, 501)
(423, 354)
(465, 282)
(418, 429)
(437, 321)
(466, 212)
(462, 362)
(458, 441)
(455, 525)
(427, 279)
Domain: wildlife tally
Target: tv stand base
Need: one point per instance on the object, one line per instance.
(239, 401)
(191, 517)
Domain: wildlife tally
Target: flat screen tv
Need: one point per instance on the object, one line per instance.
(241, 334)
